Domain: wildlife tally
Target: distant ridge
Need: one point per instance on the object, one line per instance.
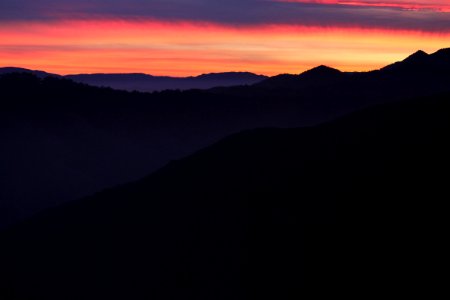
(314, 77)
(321, 71)
(149, 83)
(417, 62)
(230, 76)
(40, 74)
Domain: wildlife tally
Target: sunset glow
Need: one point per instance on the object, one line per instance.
(76, 39)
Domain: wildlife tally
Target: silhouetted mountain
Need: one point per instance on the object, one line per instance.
(416, 57)
(238, 76)
(321, 72)
(418, 65)
(421, 62)
(352, 207)
(62, 140)
(148, 83)
(321, 75)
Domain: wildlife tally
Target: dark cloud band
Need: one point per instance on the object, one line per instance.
(231, 12)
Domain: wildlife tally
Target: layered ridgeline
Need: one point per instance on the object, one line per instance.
(149, 83)
(62, 140)
(354, 207)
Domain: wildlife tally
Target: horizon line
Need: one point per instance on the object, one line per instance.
(33, 69)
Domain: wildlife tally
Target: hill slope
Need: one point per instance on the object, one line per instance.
(353, 206)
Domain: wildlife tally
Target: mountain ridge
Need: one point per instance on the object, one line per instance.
(420, 61)
(81, 139)
(320, 75)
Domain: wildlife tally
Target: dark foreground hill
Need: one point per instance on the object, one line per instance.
(354, 207)
(62, 140)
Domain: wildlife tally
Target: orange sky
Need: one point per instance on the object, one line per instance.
(180, 37)
(191, 48)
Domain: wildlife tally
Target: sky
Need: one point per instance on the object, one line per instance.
(191, 37)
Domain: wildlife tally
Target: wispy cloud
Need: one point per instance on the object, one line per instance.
(415, 5)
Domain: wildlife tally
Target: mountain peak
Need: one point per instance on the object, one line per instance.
(321, 70)
(420, 53)
(314, 77)
(231, 76)
(416, 56)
